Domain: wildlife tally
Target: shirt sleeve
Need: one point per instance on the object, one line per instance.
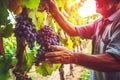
(87, 31)
(113, 46)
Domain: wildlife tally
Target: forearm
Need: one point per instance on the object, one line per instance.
(101, 62)
(68, 27)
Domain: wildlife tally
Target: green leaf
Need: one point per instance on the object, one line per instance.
(31, 4)
(7, 30)
(37, 17)
(14, 61)
(10, 45)
(70, 43)
(5, 63)
(32, 15)
(56, 66)
(44, 69)
(4, 75)
(1, 58)
(3, 11)
(49, 68)
(40, 19)
(29, 59)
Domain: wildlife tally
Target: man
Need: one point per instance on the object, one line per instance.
(105, 36)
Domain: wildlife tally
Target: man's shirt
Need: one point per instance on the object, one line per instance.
(105, 35)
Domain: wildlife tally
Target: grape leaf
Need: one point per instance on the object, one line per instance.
(14, 61)
(44, 69)
(69, 43)
(4, 67)
(47, 69)
(32, 15)
(56, 66)
(29, 61)
(10, 45)
(31, 4)
(7, 29)
(3, 11)
(4, 75)
(40, 19)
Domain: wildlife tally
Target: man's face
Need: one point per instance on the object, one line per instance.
(103, 6)
(100, 5)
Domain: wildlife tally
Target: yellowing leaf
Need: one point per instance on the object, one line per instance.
(31, 4)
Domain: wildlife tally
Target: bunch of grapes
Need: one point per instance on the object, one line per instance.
(46, 37)
(25, 29)
(40, 56)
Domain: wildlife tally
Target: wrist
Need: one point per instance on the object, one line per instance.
(77, 58)
(74, 58)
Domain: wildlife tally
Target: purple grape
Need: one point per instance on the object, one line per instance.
(26, 29)
(45, 37)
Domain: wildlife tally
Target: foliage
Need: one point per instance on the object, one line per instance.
(6, 28)
(85, 74)
(31, 4)
(3, 11)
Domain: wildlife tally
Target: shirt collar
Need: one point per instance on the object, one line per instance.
(114, 16)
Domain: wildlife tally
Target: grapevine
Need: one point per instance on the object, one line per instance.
(26, 34)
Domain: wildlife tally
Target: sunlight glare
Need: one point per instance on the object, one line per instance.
(88, 8)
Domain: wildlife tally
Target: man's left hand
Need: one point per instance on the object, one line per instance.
(60, 55)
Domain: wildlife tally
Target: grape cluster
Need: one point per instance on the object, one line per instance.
(40, 56)
(46, 36)
(25, 29)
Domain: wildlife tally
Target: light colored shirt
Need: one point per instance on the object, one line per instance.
(106, 42)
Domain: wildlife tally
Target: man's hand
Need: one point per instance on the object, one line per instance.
(51, 6)
(61, 55)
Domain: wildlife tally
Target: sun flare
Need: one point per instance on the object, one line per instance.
(88, 8)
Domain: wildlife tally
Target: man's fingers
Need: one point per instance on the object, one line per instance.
(57, 48)
(54, 60)
(53, 54)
